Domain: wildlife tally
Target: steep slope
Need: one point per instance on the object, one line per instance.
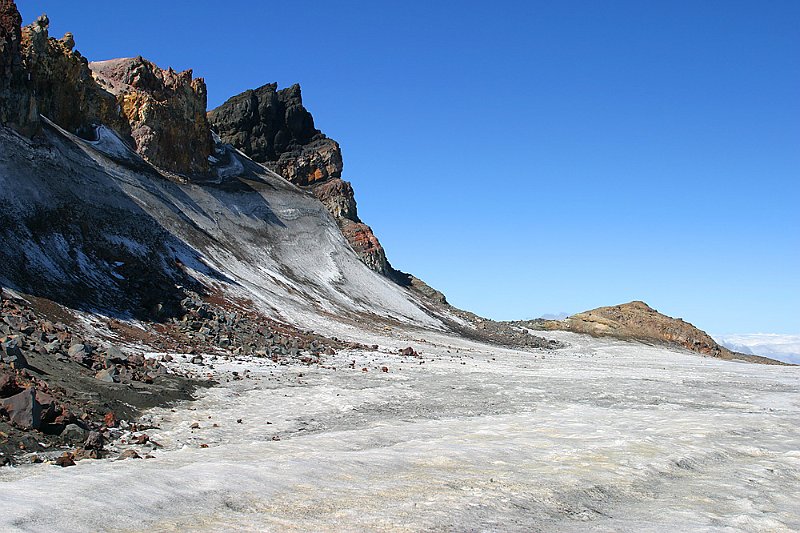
(638, 321)
(274, 128)
(90, 223)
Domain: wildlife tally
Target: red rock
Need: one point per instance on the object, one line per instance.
(110, 420)
(67, 459)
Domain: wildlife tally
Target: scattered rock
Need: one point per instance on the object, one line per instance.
(129, 454)
(74, 433)
(67, 459)
(109, 375)
(94, 441)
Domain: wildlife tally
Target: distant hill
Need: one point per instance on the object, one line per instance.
(638, 321)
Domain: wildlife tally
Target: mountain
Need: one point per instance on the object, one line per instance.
(638, 321)
(133, 218)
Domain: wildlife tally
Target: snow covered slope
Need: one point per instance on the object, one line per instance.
(91, 223)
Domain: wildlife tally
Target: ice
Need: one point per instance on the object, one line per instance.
(603, 435)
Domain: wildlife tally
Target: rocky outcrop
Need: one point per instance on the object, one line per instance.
(17, 106)
(638, 321)
(165, 112)
(63, 86)
(273, 127)
(338, 197)
(160, 113)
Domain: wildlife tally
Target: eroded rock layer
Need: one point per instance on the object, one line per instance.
(165, 111)
(17, 107)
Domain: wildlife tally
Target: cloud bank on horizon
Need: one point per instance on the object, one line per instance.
(784, 348)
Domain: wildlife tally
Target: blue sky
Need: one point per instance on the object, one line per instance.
(532, 157)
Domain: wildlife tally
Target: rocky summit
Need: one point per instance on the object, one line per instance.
(638, 321)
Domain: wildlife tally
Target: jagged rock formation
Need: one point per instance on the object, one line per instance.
(274, 128)
(164, 110)
(63, 86)
(638, 321)
(159, 113)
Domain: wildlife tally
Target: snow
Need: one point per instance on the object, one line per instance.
(602, 435)
(784, 348)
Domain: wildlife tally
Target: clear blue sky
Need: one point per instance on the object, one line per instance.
(532, 157)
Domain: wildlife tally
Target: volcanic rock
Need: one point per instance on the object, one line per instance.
(638, 321)
(62, 83)
(165, 111)
(94, 441)
(273, 127)
(29, 409)
(17, 105)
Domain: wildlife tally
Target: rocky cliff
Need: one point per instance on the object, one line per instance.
(160, 113)
(17, 106)
(273, 128)
(164, 110)
(638, 321)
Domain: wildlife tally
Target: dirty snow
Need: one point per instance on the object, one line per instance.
(603, 435)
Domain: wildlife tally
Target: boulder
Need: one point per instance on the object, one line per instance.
(94, 441)
(74, 433)
(29, 409)
(11, 354)
(109, 375)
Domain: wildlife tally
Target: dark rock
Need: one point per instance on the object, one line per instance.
(94, 441)
(8, 385)
(17, 105)
(12, 354)
(74, 433)
(274, 128)
(28, 408)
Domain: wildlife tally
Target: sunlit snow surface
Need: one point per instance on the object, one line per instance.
(602, 436)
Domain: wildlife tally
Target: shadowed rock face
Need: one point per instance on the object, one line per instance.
(273, 127)
(17, 107)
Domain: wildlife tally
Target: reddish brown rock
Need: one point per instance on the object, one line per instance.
(638, 321)
(29, 409)
(62, 83)
(165, 111)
